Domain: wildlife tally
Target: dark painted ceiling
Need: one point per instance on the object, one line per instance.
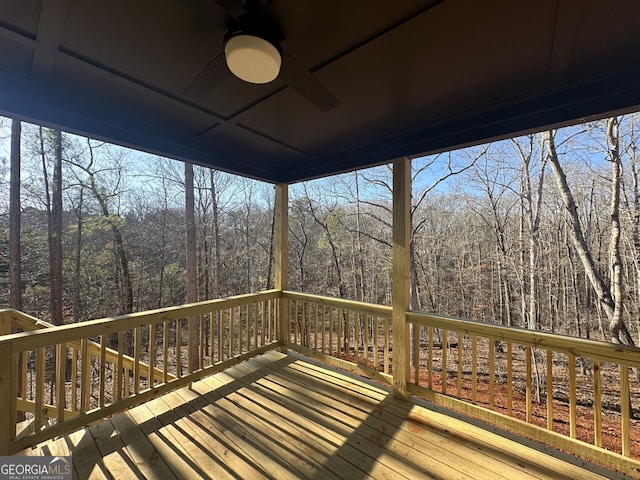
(409, 77)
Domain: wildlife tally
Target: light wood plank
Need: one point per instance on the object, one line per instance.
(111, 448)
(288, 417)
(87, 461)
(190, 455)
(141, 452)
(435, 451)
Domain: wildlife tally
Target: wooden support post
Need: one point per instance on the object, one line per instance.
(400, 286)
(5, 322)
(282, 260)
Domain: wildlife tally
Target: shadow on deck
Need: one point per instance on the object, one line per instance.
(285, 416)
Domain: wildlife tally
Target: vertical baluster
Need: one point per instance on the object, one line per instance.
(152, 354)
(416, 353)
(13, 395)
(445, 347)
(190, 345)
(307, 324)
(264, 322)
(430, 359)
(367, 320)
(103, 373)
(529, 384)
(625, 410)
(212, 337)
(137, 351)
(201, 343)
(339, 317)
(221, 335)
(460, 360)
(331, 327)
(23, 373)
(350, 343)
(572, 395)
(247, 322)
(61, 370)
(274, 325)
(549, 390)
(597, 404)
(376, 343)
(492, 371)
(297, 334)
(357, 318)
(85, 382)
(474, 368)
(230, 353)
(315, 326)
(127, 385)
(509, 379)
(165, 351)
(118, 375)
(256, 324)
(324, 327)
(178, 348)
(386, 344)
(74, 380)
(40, 380)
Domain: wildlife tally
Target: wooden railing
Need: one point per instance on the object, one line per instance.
(355, 336)
(56, 379)
(578, 395)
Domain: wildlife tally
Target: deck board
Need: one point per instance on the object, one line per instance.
(287, 417)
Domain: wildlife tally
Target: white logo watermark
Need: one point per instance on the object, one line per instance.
(35, 468)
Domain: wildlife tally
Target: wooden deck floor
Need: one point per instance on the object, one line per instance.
(283, 416)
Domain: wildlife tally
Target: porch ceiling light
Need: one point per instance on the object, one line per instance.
(251, 57)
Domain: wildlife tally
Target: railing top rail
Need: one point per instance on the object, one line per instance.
(608, 352)
(77, 331)
(372, 308)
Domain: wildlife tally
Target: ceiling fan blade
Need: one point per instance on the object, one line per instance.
(234, 8)
(295, 75)
(208, 78)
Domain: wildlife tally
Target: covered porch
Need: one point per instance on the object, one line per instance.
(141, 395)
(254, 405)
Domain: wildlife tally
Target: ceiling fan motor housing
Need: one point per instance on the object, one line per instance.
(252, 51)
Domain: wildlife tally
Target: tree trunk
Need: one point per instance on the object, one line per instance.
(617, 327)
(272, 236)
(77, 307)
(361, 255)
(55, 235)
(217, 260)
(192, 276)
(612, 307)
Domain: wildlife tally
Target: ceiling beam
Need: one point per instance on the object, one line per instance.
(567, 20)
(53, 14)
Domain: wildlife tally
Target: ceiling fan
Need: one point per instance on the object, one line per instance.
(253, 53)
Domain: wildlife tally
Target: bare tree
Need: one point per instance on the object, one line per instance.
(531, 201)
(103, 197)
(609, 296)
(53, 203)
(191, 256)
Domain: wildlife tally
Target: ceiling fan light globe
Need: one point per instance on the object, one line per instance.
(252, 59)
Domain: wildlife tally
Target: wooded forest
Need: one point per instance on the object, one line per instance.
(540, 231)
